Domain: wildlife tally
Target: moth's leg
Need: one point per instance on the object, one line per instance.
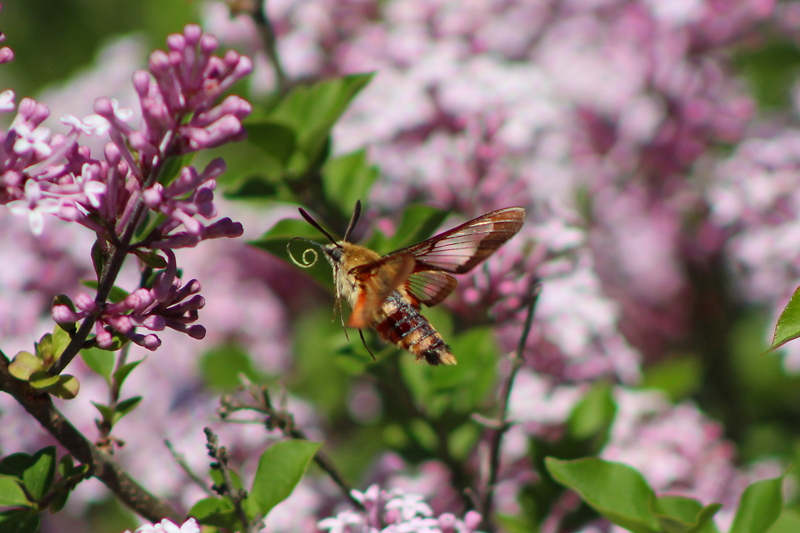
(363, 340)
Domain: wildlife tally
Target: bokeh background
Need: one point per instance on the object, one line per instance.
(656, 148)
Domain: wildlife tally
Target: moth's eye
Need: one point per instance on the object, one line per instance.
(335, 253)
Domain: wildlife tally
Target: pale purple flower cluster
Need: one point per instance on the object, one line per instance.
(165, 305)
(111, 196)
(395, 511)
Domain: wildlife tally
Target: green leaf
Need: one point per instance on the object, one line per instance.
(772, 69)
(61, 339)
(24, 365)
(678, 514)
(11, 494)
(117, 294)
(121, 374)
(460, 388)
(679, 377)
(14, 465)
(151, 259)
(44, 350)
(424, 434)
(788, 326)
(279, 470)
(593, 413)
(216, 476)
(462, 440)
(126, 406)
(59, 501)
(18, 521)
(38, 476)
(275, 139)
(275, 240)
(105, 411)
(616, 491)
(99, 257)
(417, 224)
(63, 386)
(348, 178)
(311, 111)
(789, 522)
(759, 507)
(213, 511)
(100, 361)
(43, 381)
(222, 365)
(67, 468)
(172, 168)
(67, 387)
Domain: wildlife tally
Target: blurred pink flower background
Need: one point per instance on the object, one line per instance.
(604, 118)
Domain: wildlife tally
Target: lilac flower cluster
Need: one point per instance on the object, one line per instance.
(112, 196)
(153, 309)
(397, 512)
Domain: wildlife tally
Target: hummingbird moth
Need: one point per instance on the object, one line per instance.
(386, 292)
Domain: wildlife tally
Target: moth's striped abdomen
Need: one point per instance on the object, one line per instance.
(402, 324)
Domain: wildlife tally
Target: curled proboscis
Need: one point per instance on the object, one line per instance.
(305, 261)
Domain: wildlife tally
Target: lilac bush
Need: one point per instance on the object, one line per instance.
(661, 208)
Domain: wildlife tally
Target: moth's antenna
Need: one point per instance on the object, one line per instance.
(314, 223)
(353, 220)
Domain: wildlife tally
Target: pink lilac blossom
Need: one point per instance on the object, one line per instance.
(106, 195)
(88, 189)
(397, 512)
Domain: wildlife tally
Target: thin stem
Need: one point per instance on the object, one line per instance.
(267, 32)
(237, 497)
(104, 427)
(517, 361)
(101, 466)
(181, 460)
(111, 268)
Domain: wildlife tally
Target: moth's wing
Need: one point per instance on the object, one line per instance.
(376, 281)
(464, 247)
(430, 287)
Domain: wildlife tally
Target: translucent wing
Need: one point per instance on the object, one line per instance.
(462, 248)
(430, 287)
(423, 267)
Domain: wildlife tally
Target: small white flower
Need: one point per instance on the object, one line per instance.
(90, 125)
(32, 140)
(34, 206)
(371, 494)
(338, 523)
(93, 189)
(122, 113)
(410, 505)
(165, 526)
